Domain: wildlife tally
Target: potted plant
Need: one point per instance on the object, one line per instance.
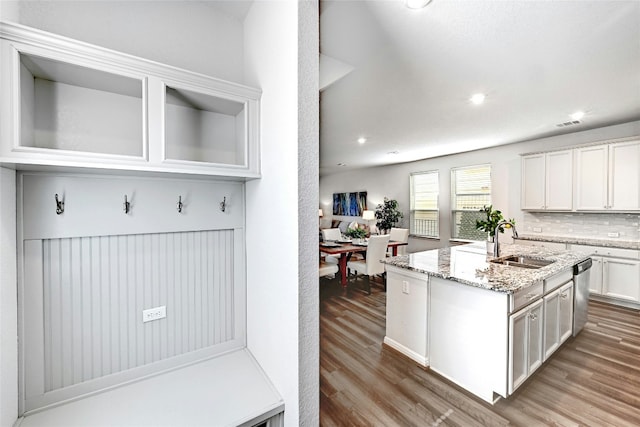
(388, 215)
(488, 225)
(356, 233)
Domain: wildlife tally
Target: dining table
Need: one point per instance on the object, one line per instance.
(346, 249)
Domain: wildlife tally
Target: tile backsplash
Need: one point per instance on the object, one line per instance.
(587, 225)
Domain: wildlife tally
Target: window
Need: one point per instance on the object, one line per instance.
(470, 191)
(424, 204)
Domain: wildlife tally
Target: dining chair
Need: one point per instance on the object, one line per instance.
(399, 235)
(371, 265)
(327, 269)
(331, 234)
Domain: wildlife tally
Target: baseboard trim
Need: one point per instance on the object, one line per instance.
(416, 357)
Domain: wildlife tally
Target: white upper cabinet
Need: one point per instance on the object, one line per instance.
(591, 178)
(608, 177)
(547, 181)
(71, 104)
(624, 176)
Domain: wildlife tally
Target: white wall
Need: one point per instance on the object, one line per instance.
(308, 188)
(8, 300)
(283, 339)
(186, 34)
(189, 35)
(393, 181)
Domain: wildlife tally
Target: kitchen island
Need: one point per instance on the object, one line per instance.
(485, 323)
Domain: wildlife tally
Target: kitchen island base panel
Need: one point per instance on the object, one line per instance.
(407, 313)
(468, 337)
(407, 352)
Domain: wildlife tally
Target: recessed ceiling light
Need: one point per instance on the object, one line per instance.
(342, 164)
(478, 98)
(578, 115)
(362, 140)
(394, 152)
(416, 4)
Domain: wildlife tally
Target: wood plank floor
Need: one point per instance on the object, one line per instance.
(593, 380)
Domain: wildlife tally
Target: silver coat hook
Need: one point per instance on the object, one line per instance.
(223, 204)
(127, 205)
(59, 205)
(179, 206)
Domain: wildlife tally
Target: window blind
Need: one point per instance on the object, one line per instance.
(424, 190)
(470, 191)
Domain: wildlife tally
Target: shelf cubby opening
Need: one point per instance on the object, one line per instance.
(67, 107)
(204, 128)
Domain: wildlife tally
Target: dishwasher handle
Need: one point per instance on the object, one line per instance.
(582, 266)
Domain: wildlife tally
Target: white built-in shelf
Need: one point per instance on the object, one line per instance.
(70, 104)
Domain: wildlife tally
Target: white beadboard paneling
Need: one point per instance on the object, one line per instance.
(86, 296)
(33, 314)
(93, 205)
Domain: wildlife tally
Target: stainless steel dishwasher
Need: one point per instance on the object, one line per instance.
(581, 276)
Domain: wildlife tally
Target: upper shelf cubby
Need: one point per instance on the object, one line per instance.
(71, 108)
(72, 104)
(204, 128)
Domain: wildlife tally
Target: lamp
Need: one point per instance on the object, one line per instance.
(320, 214)
(369, 216)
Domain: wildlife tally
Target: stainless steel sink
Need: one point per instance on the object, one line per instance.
(522, 262)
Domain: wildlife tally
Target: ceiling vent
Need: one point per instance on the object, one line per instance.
(570, 123)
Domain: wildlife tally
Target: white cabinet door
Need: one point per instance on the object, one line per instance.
(595, 278)
(525, 343)
(518, 348)
(536, 331)
(620, 279)
(558, 318)
(566, 312)
(551, 323)
(559, 180)
(624, 176)
(608, 177)
(591, 178)
(547, 181)
(533, 182)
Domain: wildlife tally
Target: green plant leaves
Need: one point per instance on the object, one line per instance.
(387, 214)
(491, 222)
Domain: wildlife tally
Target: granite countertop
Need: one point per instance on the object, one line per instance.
(469, 264)
(607, 243)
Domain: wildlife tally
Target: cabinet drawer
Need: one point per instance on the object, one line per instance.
(557, 280)
(525, 296)
(605, 251)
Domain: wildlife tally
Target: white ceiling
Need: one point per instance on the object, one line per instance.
(237, 9)
(409, 74)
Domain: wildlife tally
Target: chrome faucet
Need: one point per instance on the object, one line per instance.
(496, 232)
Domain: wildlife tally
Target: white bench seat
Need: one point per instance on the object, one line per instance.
(228, 390)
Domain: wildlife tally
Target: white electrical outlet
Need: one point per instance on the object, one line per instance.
(405, 287)
(613, 234)
(154, 313)
(537, 230)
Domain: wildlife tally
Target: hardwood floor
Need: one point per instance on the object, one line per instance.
(593, 380)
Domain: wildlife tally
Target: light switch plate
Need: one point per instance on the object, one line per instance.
(405, 287)
(537, 230)
(613, 234)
